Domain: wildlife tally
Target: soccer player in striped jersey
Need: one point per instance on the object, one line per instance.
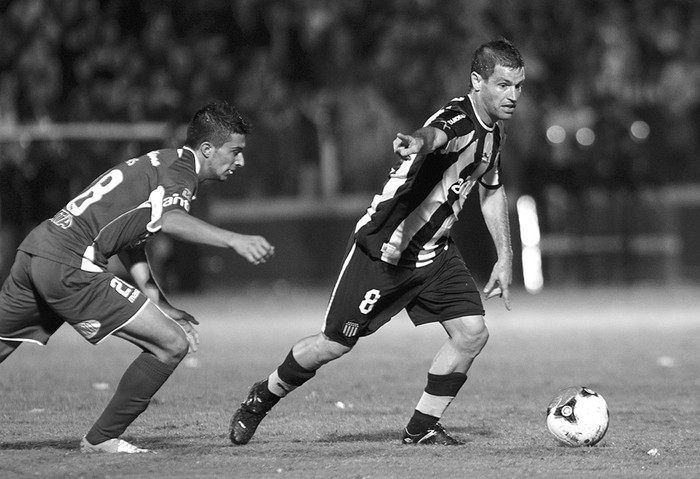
(402, 257)
(60, 271)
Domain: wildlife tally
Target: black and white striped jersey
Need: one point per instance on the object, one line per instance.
(408, 224)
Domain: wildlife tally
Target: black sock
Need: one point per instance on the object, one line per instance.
(438, 394)
(445, 385)
(420, 422)
(291, 372)
(141, 380)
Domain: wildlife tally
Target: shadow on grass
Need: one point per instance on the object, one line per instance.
(71, 444)
(393, 435)
(157, 443)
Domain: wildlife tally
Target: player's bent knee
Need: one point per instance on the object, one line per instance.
(177, 348)
(470, 333)
(480, 334)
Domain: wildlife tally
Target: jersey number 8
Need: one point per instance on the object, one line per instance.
(104, 185)
(371, 298)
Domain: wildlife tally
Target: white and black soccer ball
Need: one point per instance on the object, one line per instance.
(578, 416)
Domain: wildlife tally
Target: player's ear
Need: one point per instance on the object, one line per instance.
(475, 78)
(206, 148)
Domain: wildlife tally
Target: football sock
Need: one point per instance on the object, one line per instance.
(141, 380)
(288, 376)
(438, 394)
(420, 422)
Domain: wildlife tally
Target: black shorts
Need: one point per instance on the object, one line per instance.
(369, 292)
(39, 295)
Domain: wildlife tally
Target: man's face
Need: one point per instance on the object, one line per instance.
(497, 96)
(221, 162)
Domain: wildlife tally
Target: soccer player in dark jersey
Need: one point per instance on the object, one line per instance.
(60, 271)
(401, 255)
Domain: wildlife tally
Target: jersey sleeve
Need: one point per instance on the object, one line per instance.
(179, 182)
(452, 120)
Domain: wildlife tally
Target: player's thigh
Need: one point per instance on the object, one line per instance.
(366, 296)
(99, 304)
(7, 348)
(449, 292)
(24, 315)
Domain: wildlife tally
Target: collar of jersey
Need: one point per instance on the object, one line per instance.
(476, 114)
(196, 160)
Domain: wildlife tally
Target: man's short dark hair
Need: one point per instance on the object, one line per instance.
(496, 52)
(215, 122)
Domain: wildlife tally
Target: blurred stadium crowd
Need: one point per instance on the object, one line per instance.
(612, 96)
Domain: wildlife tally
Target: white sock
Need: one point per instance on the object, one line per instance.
(433, 405)
(277, 386)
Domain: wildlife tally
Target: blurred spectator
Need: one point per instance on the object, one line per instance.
(148, 60)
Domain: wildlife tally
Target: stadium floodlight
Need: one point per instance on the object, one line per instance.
(530, 241)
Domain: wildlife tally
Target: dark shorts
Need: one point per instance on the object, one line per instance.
(369, 292)
(39, 295)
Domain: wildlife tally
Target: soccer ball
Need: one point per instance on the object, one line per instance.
(578, 416)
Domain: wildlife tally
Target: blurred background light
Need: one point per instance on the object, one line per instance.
(556, 134)
(639, 130)
(585, 136)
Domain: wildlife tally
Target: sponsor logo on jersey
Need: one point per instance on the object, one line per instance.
(454, 120)
(462, 186)
(350, 329)
(177, 199)
(63, 219)
(88, 329)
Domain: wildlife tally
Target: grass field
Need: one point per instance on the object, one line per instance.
(638, 347)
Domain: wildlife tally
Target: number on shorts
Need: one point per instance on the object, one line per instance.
(104, 185)
(371, 298)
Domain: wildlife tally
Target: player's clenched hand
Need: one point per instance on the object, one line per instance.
(406, 145)
(255, 249)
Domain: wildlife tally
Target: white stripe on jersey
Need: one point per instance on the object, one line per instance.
(396, 180)
(155, 201)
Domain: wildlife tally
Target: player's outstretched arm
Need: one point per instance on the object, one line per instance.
(180, 225)
(494, 207)
(423, 141)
